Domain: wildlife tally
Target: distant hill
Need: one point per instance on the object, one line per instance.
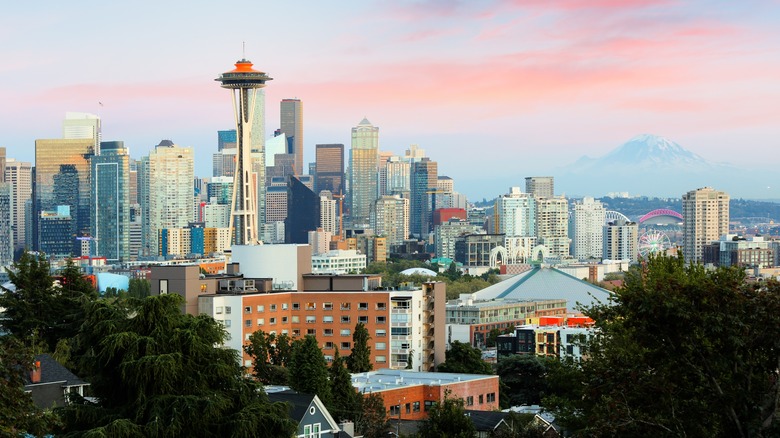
(656, 166)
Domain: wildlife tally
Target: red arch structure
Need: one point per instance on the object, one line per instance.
(661, 212)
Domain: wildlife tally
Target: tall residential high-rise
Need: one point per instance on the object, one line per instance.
(62, 174)
(244, 82)
(390, 218)
(6, 217)
(329, 220)
(291, 124)
(423, 180)
(398, 170)
(363, 173)
(82, 125)
(170, 191)
(552, 225)
(18, 175)
(110, 202)
(620, 240)
(384, 158)
(515, 214)
(586, 229)
(329, 168)
(705, 214)
(540, 186)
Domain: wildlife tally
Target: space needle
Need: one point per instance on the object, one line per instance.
(244, 81)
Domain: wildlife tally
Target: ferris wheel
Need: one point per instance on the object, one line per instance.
(652, 242)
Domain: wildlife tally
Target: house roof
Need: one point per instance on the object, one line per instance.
(52, 371)
(485, 421)
(299, 403)
(544, 283)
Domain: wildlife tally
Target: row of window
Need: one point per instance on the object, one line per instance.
(379, 346)
(379, 333)
(313, 320)
(311, 306)
(395, 410)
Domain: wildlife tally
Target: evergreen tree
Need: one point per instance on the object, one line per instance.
(346, 403)
(373, 419)
(308, 369)
(523, 379)
(139, 288)
(71, 297)
(30, 305)
(270, 354)
(465, 359)
(448, 420)
(155, 372)
(360, 359)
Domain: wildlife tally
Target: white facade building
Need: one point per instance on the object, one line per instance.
(340, 261)
(587, 229)
(19, 175)
(552, 225)
(620, 241)
(390, 218)
(515, 214)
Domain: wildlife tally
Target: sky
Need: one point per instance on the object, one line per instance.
(494, 91)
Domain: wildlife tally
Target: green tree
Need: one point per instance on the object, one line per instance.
(139, 288)
(447, 419)
(155, 372)
(346, 403)
(71, 298)
(308, 369)
(360, 359)
(682, 352)
(465, 359)
(523, 378)
(29, 305)
(373, 419)
(268, 358)
(18, 413)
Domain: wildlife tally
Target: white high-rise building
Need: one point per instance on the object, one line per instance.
(620, 240)
(170, 192)
(19, 175)
(397, 179)
(587, 229)
(515, 214)
(328, 213)
(552, 225)
(363, 172)
(705, 218)
(390, 218)
(82, 125)
(444, 236)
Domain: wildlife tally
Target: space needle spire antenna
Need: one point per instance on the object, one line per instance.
(244, 82)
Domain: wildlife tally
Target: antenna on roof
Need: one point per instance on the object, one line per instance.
(243, 49)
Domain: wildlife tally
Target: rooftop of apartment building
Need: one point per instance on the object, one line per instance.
(387, 379)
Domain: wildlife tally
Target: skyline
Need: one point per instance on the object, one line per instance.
(537, 85)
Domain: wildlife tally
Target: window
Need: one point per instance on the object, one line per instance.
(284, 306)
(312, 430)
(246, 336)
(362, 306)
(416, 406)
(381, 346)
(248, 309)
(296, 306)
(381, 319)
(284, 320)
(311, 306)
(345, 319)
(285, 331)
(408, 408)
(261, 308)
(260, 321)
(346, 306)
(327, 332)
(311, 332)
(329, 345)
(381, 333)
(328, 359)
(219, 310)
(327, 306)
(163, 287)
(311, 319)
(272, 321)
(470, 400)
(481, 399)
(227, 310)
(401, 331)
(346, 345)
(248, 323)
(296, 332)
(381, 359)
(363, 319)
(491, 398)
(227, 323)
(429, 404)
(381, 306)
(273, 307)
(296, 319)
(327, 319)
(395, 410)
(346, 332)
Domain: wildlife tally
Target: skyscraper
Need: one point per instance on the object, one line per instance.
(515, 214)
(329, 168)
(363, 172)
(540, 186)
(226, 139)
(390, 218)
(110, 202)
(620, 240)
(586, 229)
(705, 219)
(170, 191)
(244, 82)
(18, 175)
(424, 177)
(552, 225)
(303, 212)
(291, 122)
(82, 125)
(62, 174)
(6, 218)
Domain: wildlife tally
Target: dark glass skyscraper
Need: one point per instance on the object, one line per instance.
(303, 212)
(424, 176)
(110, 202)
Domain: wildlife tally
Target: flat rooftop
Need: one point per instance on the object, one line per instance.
(387, 379)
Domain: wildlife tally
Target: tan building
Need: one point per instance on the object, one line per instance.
(705, 214)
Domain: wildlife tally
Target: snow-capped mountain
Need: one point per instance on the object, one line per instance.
(645, 151)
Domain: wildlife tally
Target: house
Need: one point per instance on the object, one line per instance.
(488, 423)
(312, 416)
(49, 383)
